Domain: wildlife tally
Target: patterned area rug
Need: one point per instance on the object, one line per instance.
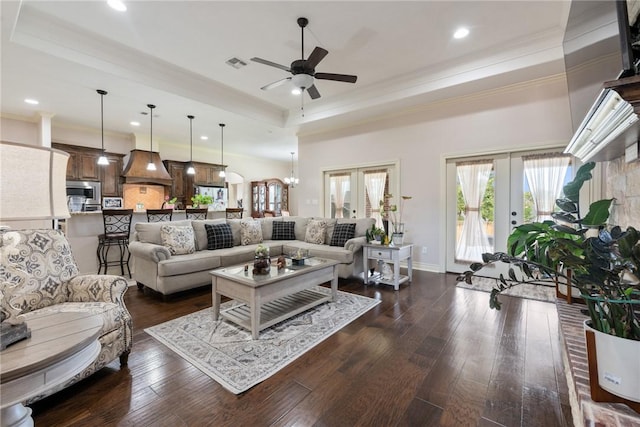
(226, 352)
(536, 292)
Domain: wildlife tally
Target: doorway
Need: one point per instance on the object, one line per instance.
(358, 192)
(487, 196)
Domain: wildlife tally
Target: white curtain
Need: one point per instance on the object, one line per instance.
(473, 240)
(545, 175)
(374, 184)
(340, 184)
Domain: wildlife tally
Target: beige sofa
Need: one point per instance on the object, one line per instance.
(156, 268)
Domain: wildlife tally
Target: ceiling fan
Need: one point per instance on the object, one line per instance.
(304, 70)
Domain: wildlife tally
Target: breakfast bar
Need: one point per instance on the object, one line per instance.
(82, 230)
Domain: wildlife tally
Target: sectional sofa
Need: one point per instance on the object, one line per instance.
(174, 256)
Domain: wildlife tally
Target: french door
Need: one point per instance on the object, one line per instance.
(357, 192)
(489, 195)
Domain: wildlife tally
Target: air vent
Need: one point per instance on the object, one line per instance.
(236, 63)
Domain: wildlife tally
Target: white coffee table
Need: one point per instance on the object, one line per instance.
(61, 346)
(392, 255)
(274, 297)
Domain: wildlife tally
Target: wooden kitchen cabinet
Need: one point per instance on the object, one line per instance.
(183, 186)
(178, 172)
(83, 166)
(208, 174)
(269, 195)
(110, 176)
(88, 168)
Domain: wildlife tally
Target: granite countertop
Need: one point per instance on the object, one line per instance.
(135, 212)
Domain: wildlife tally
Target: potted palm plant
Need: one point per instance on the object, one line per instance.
(604, 261)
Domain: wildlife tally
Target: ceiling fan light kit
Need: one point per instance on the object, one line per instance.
(304, 70)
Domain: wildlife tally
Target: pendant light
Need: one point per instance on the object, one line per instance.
(292, 180)
(102, 160)
(222, 174)
(151, 166)
(190, 169)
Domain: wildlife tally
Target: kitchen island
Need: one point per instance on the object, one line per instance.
(82, 230)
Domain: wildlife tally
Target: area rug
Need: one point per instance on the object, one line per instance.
(229, 355)
(537, 292)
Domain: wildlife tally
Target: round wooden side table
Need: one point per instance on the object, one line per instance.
(61, 346)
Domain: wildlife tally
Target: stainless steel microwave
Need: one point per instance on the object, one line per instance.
(90, 190)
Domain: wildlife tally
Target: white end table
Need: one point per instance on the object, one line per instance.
(392, 255)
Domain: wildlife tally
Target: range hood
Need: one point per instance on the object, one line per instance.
(136, 171)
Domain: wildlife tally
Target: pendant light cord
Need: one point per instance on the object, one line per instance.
(222, 144)
(102, 93)
(102, 120)
(191, 138)
(151, 107)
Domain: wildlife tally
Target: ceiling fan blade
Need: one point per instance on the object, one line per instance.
(271, 64)
(313, 92)
(337, 77)
(316, 56)
(276, 83)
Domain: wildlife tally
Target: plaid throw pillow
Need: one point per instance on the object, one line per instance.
(219, 236)
(283, 230)
(342, 233)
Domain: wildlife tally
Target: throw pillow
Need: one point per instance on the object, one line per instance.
(283, 230)
(342, 233)
(315, 231)
(178, 239)
(219, 236)
(250, 232)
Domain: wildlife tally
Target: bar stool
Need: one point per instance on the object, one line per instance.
(117, 226)
(159, 215)
(234, 213)
(197, 213)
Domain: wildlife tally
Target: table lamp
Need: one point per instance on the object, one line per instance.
(33, 187)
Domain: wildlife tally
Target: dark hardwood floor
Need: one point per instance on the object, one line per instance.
(429, 355)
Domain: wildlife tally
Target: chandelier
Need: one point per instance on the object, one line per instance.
(292, 180)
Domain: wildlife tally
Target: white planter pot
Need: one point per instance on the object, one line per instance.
(618, 364)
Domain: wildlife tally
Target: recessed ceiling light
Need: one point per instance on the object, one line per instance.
(134, 123)
(31, 101)
(296, 91)
(461, 33)
(204, 137)
(117, 5)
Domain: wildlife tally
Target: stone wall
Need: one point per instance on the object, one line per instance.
(622, 182)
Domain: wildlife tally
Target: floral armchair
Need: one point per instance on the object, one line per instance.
(39, 274)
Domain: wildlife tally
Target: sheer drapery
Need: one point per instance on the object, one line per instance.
(374, 184)
(545, 175)
(473, 240)
(340, 184)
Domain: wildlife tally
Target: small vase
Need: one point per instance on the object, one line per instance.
(398, 228)
(261, 265)
(398, 238)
